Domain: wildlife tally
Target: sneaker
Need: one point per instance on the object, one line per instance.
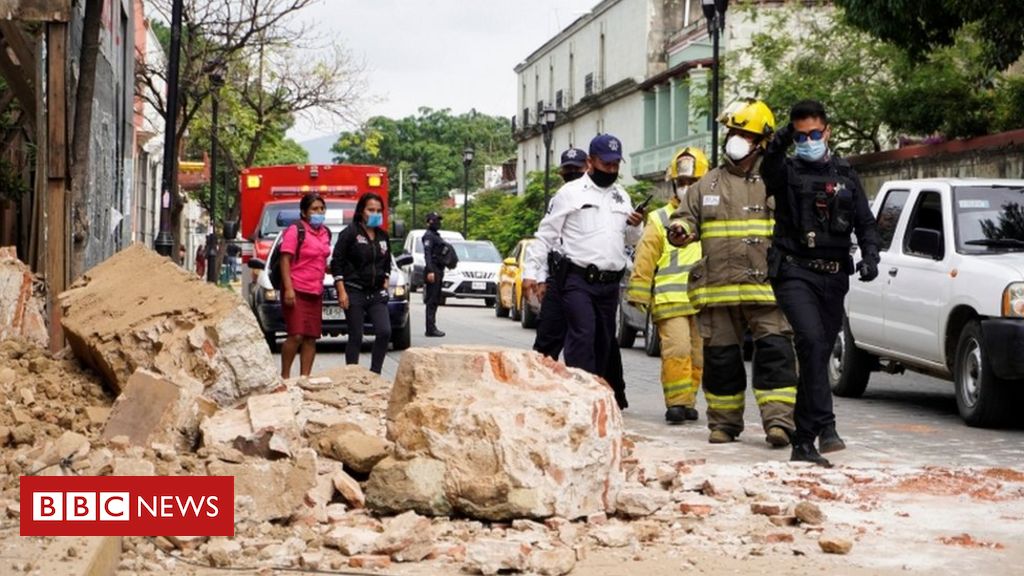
(777, 436)
(691, 413)
(435, 334)
(720, 437)
(829, 440)
(805, 452)
(675, 414)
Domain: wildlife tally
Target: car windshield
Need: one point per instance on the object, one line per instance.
(277, 217)
(476, 252)
(989, 218)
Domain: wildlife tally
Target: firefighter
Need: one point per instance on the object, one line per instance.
(659, 279)
(820, 201)
(728, 212)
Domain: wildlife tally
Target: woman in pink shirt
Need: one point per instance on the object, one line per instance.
(302, 275)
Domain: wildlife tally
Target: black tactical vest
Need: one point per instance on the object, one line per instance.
(822, 205)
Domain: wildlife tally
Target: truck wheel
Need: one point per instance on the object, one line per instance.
(982, 398)
(849, 367)
(402, 338)
(528, 318)
(490, 303)
(652, 340)
(624, 334)
(271, 338)
(515, 312)
(499, 310)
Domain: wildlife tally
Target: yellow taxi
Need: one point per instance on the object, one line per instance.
(511, 301)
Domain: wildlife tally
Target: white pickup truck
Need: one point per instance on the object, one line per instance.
(949, 297)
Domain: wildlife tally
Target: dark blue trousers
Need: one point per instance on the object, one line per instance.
(551, 326)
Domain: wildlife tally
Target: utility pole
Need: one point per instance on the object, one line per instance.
(164, 242)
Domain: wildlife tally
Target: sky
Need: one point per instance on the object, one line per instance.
(456, 54)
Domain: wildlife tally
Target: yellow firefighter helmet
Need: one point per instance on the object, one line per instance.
(752, 116)
(690, 162)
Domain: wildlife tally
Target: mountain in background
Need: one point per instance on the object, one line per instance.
(319, 149)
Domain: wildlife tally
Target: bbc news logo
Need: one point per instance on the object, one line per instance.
(127, 505)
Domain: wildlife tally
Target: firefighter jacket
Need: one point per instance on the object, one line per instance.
(660, 270)
(733, 220)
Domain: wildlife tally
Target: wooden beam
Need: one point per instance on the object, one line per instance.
(19, 41)
(36, 10)
(18, 80)
(57, 246)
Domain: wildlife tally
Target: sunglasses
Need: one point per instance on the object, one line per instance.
(801, 137)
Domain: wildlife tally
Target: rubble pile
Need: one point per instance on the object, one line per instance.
(22, 310)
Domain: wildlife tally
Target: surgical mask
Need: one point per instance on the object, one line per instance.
(811, 150)
(316, 220)
(737, 148)
(603, 179)
(681, 192)
(570, 176)
(374, 220)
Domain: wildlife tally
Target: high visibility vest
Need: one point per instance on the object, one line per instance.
(672, 276)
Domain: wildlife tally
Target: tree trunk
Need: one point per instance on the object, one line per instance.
(82, 131)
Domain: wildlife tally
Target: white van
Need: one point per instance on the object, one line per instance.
(414, 246)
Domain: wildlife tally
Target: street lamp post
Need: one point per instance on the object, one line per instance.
(164, 242)
(547, 128)
(212, 271)
(467, 159)
(714, 11)
(414, 181)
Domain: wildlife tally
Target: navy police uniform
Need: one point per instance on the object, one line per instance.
(433, 263)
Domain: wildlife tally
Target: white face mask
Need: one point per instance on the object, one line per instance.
(681, 191)
(737, 147)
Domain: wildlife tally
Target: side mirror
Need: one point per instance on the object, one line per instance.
(509, 261)
(404, 259)
(927, 242)
(257, 264)
(230, 229)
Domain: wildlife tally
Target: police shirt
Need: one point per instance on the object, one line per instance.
(588, 225)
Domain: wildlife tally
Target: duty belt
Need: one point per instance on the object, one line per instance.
(815, 264)
(593, 275)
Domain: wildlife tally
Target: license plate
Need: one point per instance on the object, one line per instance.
(333, 313)
(479, 285)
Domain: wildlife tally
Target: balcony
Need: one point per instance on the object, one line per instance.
(650, 163)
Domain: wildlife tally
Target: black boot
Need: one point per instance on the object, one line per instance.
(829, 440)
(675, 414)
(435, 333)
(805, 452)
(691, 413)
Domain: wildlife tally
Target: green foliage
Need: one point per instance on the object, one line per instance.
(921, 27)
(430, 144)
(501, 217)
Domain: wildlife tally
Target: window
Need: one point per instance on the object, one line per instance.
(540, 111)
(526, 117)
(889, 215)
(927, 215)
(558, 100)
(588, 84)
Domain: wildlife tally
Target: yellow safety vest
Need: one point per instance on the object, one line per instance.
(673, 273)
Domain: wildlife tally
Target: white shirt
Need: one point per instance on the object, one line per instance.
(588, 225)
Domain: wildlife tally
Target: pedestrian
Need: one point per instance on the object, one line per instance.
(361, 265)
(303, 265)
(234, 253)
(590, 221)
(819, 202)
(728, 213)
(659, 284)
(433, 271)
(200, 260)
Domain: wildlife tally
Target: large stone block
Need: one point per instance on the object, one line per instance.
(22, 310)
(138, 309)
(518, 435)
(155, 409)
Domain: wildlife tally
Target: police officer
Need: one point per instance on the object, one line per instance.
(433, 272)
(591, 221)
(728, 212)
(659, 282)
(819, 201)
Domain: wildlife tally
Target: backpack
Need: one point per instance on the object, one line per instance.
(448, 256)
(274, 265)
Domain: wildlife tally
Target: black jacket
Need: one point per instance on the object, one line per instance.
(781, 177)
(359, 262)
(432, 260)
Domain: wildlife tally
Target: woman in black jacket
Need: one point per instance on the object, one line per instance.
(360, 264)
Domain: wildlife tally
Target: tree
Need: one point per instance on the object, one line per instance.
(921, 27)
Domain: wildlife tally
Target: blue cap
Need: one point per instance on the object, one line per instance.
(574, 157)
(606, 147)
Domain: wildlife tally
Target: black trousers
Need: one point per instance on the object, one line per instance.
(432, 298)
(550, 339)
(813, 305)
(361, 305)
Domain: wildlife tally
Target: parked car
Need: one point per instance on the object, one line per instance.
(511, 301)
(950, 298)
(266, 303)
(476, 275)
(414, 245)
(633, 321)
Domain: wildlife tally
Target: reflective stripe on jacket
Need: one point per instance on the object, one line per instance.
(661, 271)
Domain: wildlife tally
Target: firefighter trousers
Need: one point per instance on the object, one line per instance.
(682, 360)
(774, 378)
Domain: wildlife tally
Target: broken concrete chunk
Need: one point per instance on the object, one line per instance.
(400, 485)
(555, 562)
(22, 306)
(356, 449)
(156, 409)
(270, 490)
(351, 541)
(489, 556)
(835, 545)
(809, 513)
(349, 489)
(638, 501)
(769, 508)
(138, 309)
